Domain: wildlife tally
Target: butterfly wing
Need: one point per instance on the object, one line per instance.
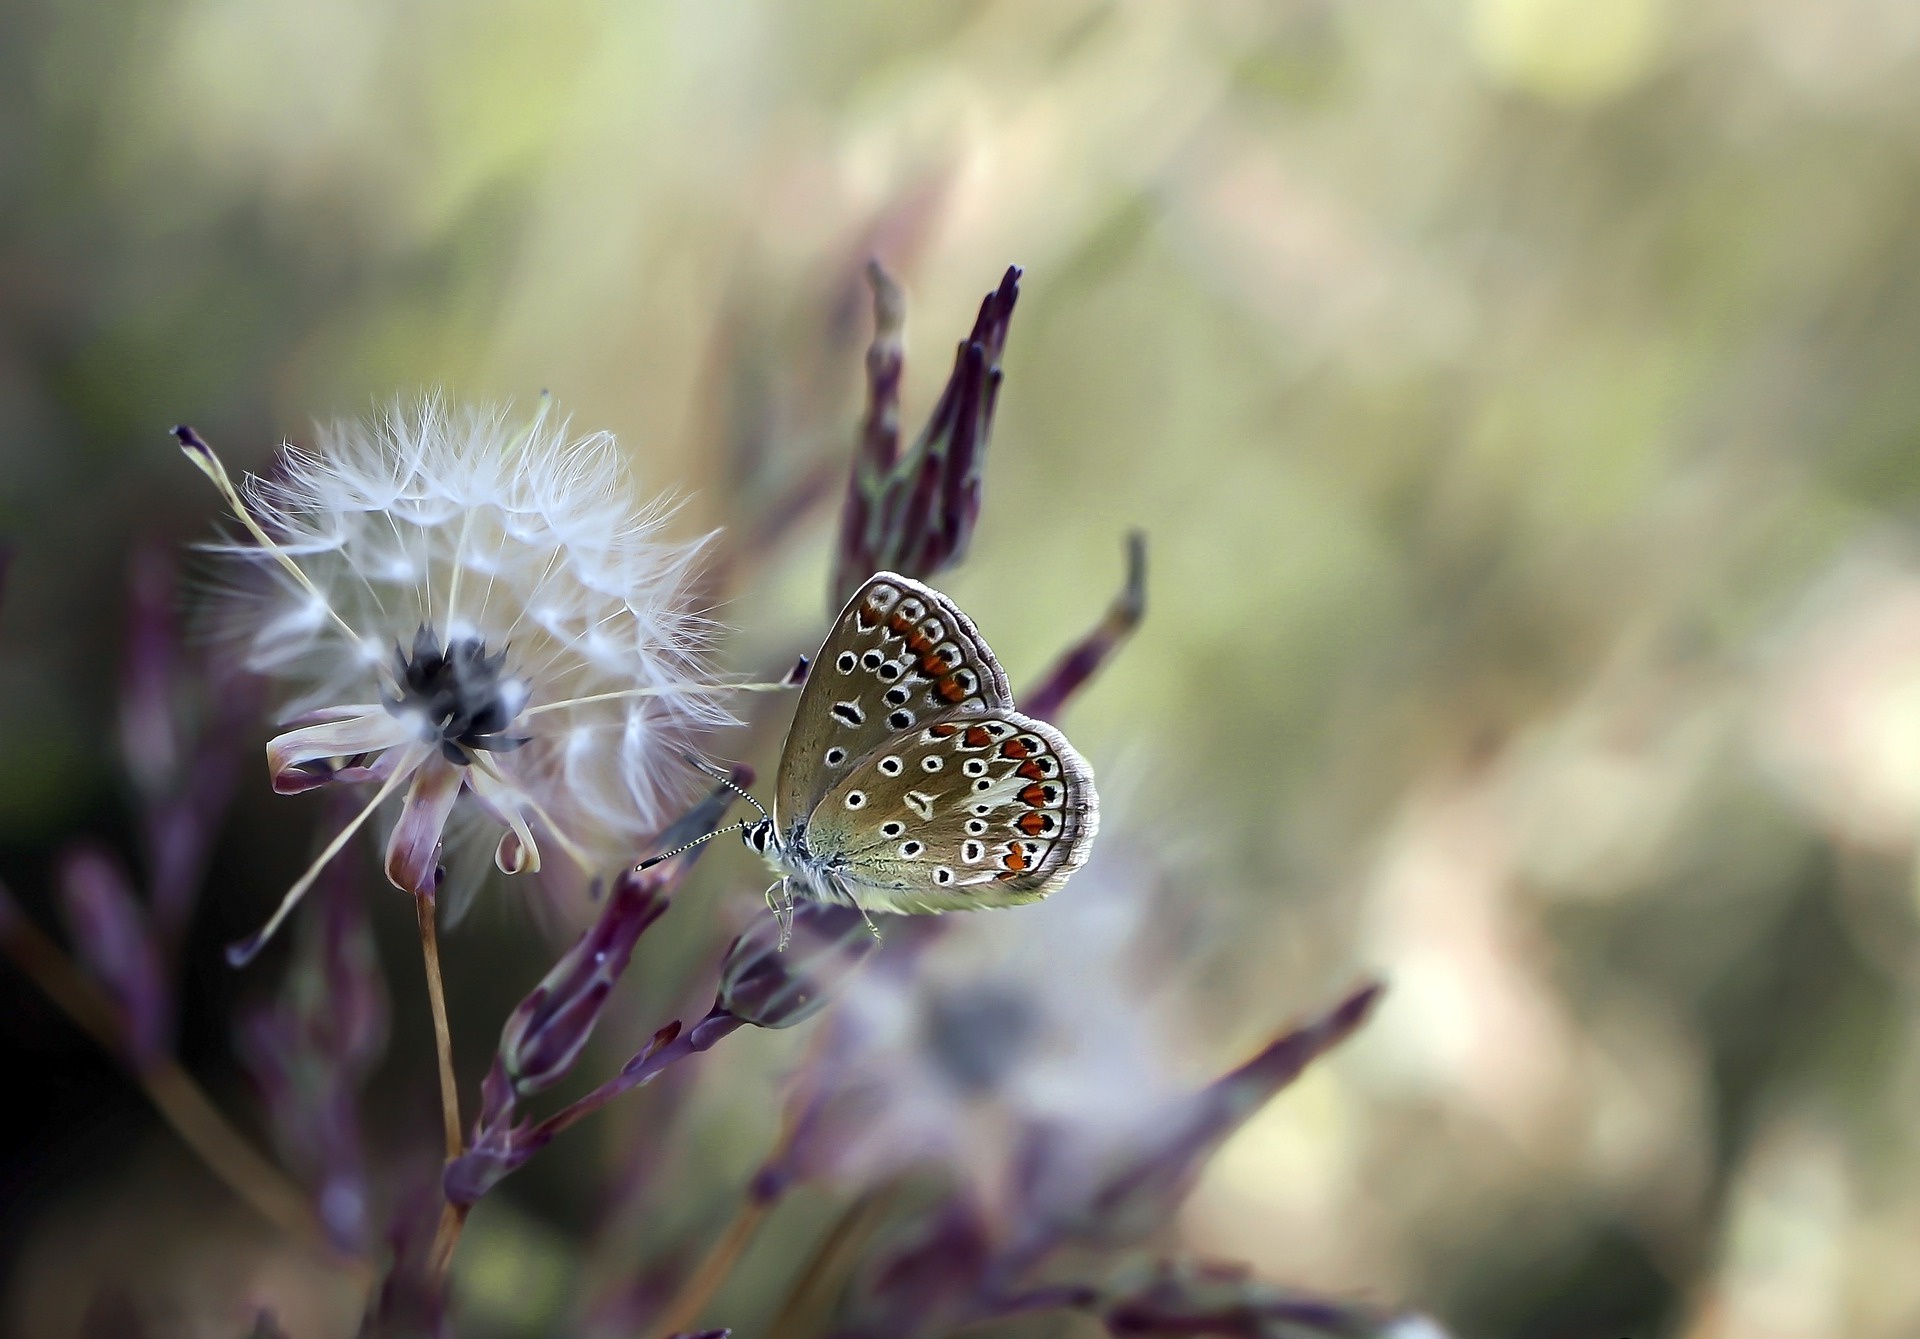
(898, 654)
(972, 809)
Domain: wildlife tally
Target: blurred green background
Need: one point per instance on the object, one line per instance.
(1519, 395)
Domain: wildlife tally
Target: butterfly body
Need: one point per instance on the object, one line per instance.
(909, 783)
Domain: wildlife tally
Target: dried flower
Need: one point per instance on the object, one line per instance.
(915, 514)
(465, 606)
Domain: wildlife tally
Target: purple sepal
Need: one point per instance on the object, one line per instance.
(410, 1303)
(928, 1283)
(545, 1035)
(503, 1145)
(112, 938)
(1084, 659)
(915, 514)
(1143, 1193)
(1184, 1299)
(771, 986)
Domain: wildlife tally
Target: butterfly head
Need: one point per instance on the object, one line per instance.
(759, 836)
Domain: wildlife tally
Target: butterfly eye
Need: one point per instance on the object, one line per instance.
(890, 766)
(856, 799)
(846, 662)
(931, 763)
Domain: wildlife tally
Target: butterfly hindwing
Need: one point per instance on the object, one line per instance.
(969, 809)
(898, 654)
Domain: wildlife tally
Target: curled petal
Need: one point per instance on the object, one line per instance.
(517, 851)
(302, 759)
(413, 850)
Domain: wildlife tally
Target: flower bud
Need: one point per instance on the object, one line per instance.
(110, 934)
(771, 986)
(545, 1035)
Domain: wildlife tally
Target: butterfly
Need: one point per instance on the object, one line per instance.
(908, 782)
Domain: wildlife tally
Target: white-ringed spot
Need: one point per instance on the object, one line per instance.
(890, 766)
(888, 673)
(848, 713)
(974, 767)
(920, 802)
(910, 850)
(934, 629)
(901, 720)
(892, 828)
(931, 763)
(942, 875)
(897, 695)
(911, 610)
(973, 852)
(871, 661)
(836, 755)
(846, 662)
(983, 809)
(856, 799)
(976, 826)
(984, 783)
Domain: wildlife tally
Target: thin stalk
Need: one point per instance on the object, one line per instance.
(705, 1281)
(452, 1217)
(179, 1099)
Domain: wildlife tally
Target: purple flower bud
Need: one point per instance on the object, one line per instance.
(111, 936)
(1084, 659)
(915, 514)
(544, 1036)
(770, 986)
(1144, 1191)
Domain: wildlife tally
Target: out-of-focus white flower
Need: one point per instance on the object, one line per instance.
(1042, 1025)
(465, 605)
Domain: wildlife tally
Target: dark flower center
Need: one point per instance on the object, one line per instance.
(461, 692)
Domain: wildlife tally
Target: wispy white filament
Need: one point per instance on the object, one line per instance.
(478, 528)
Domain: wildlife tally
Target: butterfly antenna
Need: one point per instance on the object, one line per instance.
(653, 860)
(727, 781)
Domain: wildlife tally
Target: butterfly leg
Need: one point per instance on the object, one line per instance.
(782, 911)
(864, 915)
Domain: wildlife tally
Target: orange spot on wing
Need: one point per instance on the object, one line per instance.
(977, 737)
(900, 625)
(1033, 823)
(933, 666)
(951, 690)
(945, 730)
(1015, 860)
(919, 643)
(1034, 796)
(1031, 771)
(1014, 749)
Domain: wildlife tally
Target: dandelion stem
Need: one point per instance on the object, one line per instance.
(209, 464)
(661, 690)
(180, 1100)
(452, 1217)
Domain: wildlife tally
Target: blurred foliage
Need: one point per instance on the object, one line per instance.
(1519, 398)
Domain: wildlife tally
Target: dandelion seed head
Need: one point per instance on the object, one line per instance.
(444, 578)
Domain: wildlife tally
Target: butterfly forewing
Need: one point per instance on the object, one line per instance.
(899, 654)
(968, 809)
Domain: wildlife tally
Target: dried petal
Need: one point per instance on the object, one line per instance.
(413, 852)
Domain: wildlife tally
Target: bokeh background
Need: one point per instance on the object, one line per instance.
(1520, 399)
